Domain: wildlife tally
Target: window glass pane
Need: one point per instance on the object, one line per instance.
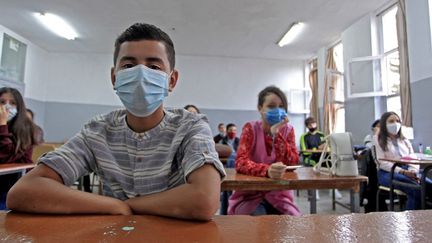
(338, 57)
(391, 73)
(340, 120)
(389, 30)
(394, 104)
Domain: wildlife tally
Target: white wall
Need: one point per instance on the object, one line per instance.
(419, 39)
(208, 82)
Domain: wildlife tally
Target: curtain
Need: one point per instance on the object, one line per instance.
(313, 82)
(405, 88)
(330, 109)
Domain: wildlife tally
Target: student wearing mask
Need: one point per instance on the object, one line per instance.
(231, 138)
(266, 147)
(16, 137)
(312, 139)
(222, 133)
(151, 160)
(391, 144)
(368, 140)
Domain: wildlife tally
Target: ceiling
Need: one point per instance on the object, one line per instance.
(228, 28)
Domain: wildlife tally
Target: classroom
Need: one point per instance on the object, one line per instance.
(275, 121)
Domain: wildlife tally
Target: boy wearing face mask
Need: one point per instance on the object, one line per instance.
(312, 139)
(391, 144)
(150, 160)
(231, 138)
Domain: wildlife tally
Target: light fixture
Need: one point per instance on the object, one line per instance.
(291, 34)
(57, 25)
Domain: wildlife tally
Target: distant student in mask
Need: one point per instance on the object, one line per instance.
(231, 138)
(391, 144)
(150, 160)
(312, 139)
(266, 147)
(16, 137)
(222, 133)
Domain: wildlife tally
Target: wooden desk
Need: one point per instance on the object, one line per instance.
(411, 226)
(15, 168)
(302, 178)
(427, 164)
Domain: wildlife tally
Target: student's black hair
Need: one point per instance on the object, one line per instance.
(375, 123)
(20, 126)
(383, 133)
(272, 90)
(230, 125)
(221, 124)
(190, 105)
(142, 31)
(309, 120)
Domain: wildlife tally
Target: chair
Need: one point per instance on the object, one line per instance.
(224, 152)
(40, 150)
(400, 195)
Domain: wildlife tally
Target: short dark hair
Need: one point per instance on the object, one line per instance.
(193, 106)
(375, 123)
(272, 90)
(221, 124)
(309, 120)
(142, 31)
(230, 125)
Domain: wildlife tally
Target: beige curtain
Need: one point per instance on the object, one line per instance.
(329, 94)
(313, 82)
(405, 88)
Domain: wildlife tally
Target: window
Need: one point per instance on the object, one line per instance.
(378, 75)
(390, 58)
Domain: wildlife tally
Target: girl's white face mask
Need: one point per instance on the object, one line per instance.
(393, 128)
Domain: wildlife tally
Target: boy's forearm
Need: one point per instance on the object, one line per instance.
(198, 199)
(44, 195)
(180, 202)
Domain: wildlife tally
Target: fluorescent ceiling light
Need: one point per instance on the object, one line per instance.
(57, 25)
(291, 34)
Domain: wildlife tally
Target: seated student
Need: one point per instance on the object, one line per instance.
(368, 140)
(231, 138)
(150, 160)
(39, 135)
(16, 137)
(391, 144)
(192, 108)
(312, 139)
(264, 145)
(221, 134)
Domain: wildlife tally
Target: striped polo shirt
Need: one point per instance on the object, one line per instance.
(131, 164)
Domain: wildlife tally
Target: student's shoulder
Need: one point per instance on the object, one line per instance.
(102, 121)
(181, 116)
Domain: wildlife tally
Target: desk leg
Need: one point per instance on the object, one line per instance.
(355, 201)
(312, 198)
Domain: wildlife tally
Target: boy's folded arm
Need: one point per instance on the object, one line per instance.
(198, 199)
(42, 191)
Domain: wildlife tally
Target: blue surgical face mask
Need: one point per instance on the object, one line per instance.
(141, 89)
(12, 112)
(275, 115)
